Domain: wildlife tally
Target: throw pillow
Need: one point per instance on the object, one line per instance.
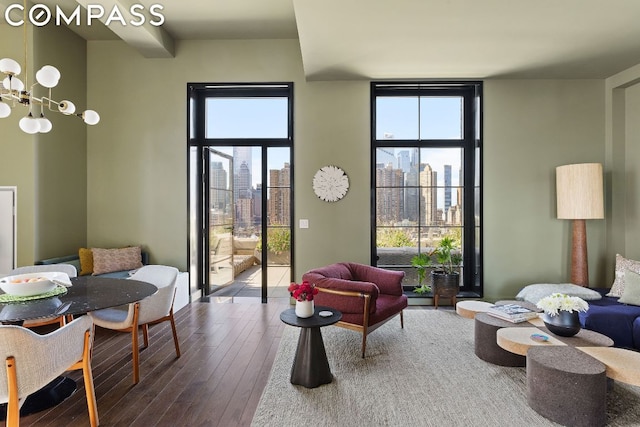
(110, 260)
(534, 293)
(631, 294)
(622, 265)
(86, 261)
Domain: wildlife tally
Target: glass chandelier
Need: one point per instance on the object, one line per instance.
(15, 93)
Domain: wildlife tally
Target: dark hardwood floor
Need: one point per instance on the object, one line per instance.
(227, 353)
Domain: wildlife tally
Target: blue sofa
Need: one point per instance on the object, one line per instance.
(75, 261)
(620, 322)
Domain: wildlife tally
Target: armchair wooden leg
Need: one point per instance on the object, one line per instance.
(402, 319)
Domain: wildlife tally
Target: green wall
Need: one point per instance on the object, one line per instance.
(622, 148)
(49, 170)
(137, 157)
(17, 151)
(61, 154)
(532, 126)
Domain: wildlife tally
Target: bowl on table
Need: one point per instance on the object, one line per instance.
(30, 284)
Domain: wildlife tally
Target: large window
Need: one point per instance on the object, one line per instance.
(426, 174)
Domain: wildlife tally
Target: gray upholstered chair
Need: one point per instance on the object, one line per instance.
(32, 361)
(153, 309)
(68, 269)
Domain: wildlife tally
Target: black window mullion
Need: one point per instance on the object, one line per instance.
(469, 92)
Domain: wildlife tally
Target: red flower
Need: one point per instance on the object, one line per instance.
(303, 291)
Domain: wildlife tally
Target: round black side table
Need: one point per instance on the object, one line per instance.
(310, 365)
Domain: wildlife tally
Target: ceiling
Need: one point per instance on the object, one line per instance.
(378, 39)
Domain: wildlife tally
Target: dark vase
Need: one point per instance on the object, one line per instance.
(445, 285)
(565, 323)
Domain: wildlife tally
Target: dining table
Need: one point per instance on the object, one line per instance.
(81, 295)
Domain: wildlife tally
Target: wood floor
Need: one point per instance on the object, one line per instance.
(227, 353)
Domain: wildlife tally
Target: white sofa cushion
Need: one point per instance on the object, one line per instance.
(534, 293)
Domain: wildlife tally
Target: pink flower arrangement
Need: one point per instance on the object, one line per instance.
(303, 291)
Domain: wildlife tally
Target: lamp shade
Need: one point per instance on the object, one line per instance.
(9, 66)
(5, 110)
(579, 191)
(48, 76)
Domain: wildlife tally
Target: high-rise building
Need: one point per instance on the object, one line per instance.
(404, 161)
(242, 164)
(390, 194)
(411, 194)
(218, 185)
(279, 192)
(447, 187)
(428, 195)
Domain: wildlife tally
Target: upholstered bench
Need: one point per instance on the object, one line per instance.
(567, 386)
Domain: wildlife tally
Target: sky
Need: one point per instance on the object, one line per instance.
(397, 118)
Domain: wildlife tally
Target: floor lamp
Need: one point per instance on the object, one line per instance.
(579, 197)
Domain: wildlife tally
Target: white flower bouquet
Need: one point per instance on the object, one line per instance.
(557, 302)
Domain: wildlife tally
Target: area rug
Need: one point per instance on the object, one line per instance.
(426, 374)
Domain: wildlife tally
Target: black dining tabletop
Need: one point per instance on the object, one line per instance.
(86, 293)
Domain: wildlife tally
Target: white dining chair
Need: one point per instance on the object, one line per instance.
(32, 361)
(68, 269)
(153, 309)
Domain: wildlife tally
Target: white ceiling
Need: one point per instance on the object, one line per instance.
(377, 39)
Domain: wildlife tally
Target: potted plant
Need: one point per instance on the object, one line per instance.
(421, 262)
(445, 279)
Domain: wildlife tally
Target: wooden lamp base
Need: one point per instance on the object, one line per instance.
(579, 267)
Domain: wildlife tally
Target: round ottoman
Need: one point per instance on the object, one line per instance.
(567, 386)
(470, 308)
(486, 346)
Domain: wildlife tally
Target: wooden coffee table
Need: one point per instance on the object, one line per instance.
(519, 340)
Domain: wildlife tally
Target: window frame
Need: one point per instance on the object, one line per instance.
(471, 144)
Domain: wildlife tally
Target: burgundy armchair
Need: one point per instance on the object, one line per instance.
(367, 296)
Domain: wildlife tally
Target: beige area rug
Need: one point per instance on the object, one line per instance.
(426, 374)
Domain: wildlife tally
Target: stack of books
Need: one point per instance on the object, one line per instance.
(512, 313)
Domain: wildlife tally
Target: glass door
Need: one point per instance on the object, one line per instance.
(221, 219)
(240, 190)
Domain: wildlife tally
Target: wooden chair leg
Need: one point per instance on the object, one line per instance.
(175, 333)
(134, 344)
(13, 405)
(89, 388)
(402, 319)
(145, 335)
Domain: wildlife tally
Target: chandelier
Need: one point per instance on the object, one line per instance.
(16, 93)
